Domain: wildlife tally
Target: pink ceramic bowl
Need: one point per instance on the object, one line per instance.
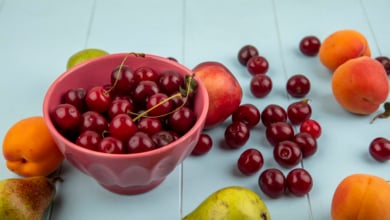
(124, 173)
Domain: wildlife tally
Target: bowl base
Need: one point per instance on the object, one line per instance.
(133, 190)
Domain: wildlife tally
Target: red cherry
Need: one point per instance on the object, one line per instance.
(245, 53)
(279, 131)
(122, 127)
(111, 145)
(380, 149)
(204, 145)
(236, 134)
(98, 99)
(257, 65)
(310, 45)
(298, 86)
(312, 127)
(307, 143)
(297, 112)
(299, 182)
(250, 161)
(260, 85)
(287, 154)
(248, 114)
(272, 182)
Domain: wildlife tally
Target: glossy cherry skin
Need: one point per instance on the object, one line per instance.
(380, 149)
(385, 61)
(111, 145)
(272, 182)
(143, 90)
(260, 85)
(203, 146)
(245, 53)
(257, 65)
(122, 80)
(310, 45)
(160, 105)
(279, 131)
(98, 99)
(298, 86)
(236, 134)
(140, 142)
(248, 114)
(163, 138)
(94, 121)
(66, 117)
(297, 112)
(182, 120)
(89, 140)
(170, 82)
(307, 143)
(273, 113)
(299, 182)
(122, 127)
(120, 106)
(145, 73)
(250, 161)
(287, 154)
(312, 127)
(76, 97)
(149, 125)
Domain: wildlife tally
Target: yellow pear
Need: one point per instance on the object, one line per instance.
(231, 203)
(84, 55)
(25, 198)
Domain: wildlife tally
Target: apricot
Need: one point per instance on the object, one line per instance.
(341, 46)
(360, 85)
(361, 197)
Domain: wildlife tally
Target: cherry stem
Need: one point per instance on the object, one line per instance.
(384, 114)
(120, 69)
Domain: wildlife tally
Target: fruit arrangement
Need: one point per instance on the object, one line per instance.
(140, 110)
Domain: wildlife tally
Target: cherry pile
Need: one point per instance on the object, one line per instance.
(138, 111)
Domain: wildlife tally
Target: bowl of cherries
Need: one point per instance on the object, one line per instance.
(127, 119)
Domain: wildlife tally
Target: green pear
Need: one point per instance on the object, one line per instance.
(231, 203)
(84, 55)
(25, 198)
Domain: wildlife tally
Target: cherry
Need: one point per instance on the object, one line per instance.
(236, 134)
(273, 113)
(94, 121)
(122, 80)
(145, 73)
(182, 120)
(120, 106)
(149, 125)
(76, 97)
(98, 99)
(163, 138)
(312, 127)
(248, 114)
(140, 142)
(380, 149)
(159, 103)
(260, 85)
(143, 90)
(204, 145)
(122, 127)
(250, 161)
(111, 145)
(297, 112)
(279, 131)
(307, 143)
(245, 53)
(272, 182)
(257, 65)
(298, 86)
(170, 82)
(385, 61)
(66, 117)
(287, 154)
(299, 182)
(310, 45)
(89, 140)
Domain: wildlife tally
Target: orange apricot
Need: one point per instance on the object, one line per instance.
(341, 46)
(360, 85)
(361, 197)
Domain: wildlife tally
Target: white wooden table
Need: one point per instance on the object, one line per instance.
(37, 37)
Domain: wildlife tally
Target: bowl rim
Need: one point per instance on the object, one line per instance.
(151, 153)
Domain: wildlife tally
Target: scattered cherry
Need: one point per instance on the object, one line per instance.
(272, 182)
(204, 145)
(310, 45)
(257, 65)
(298, 86)
(260, 85)
(307, 143)
(273, 113)
(299, 111)
(245, 53)
(236, 134)
(299, 182)
(380, 149)
(312, 127)
(250, 161)
(287, 154)
(248, 114)
(279, 131)
(385, 61)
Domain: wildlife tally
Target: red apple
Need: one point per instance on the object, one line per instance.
(225, 92)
